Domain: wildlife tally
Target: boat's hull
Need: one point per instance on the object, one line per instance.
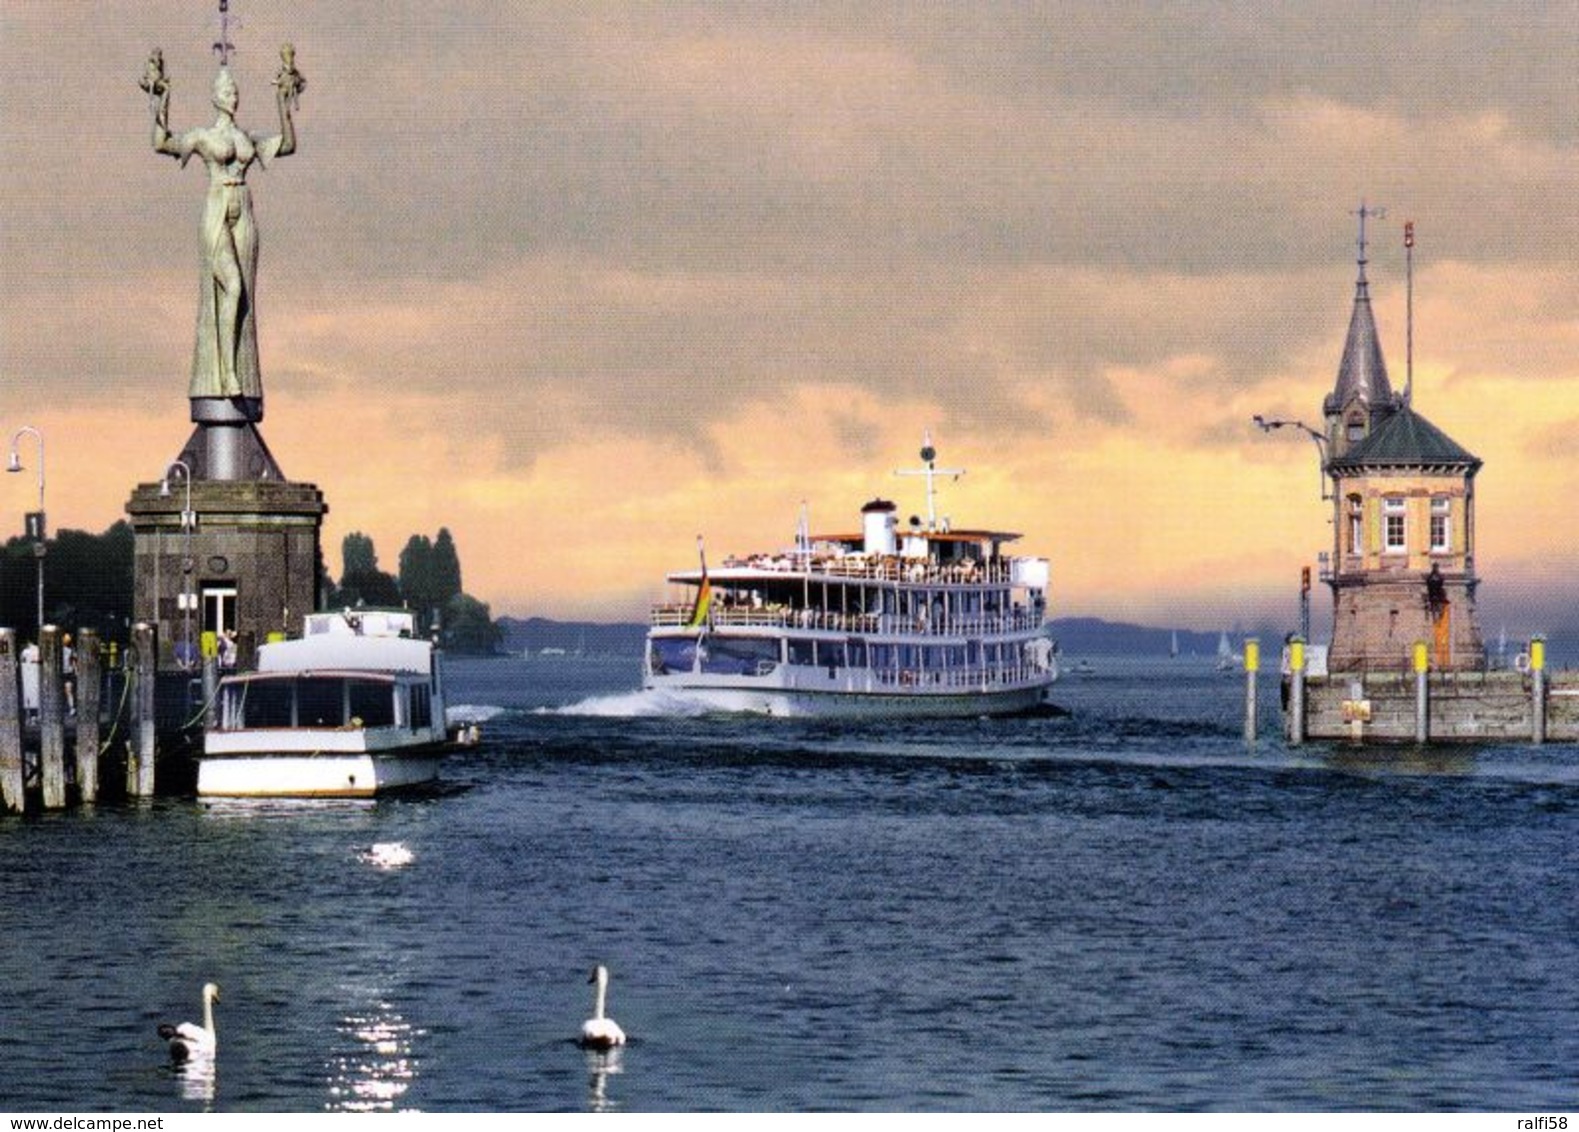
(804, 703)
(346, 774)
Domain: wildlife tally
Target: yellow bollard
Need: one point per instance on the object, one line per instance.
(1252, 664)
(1538, 689)
(1296, 691)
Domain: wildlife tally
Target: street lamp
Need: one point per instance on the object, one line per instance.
(35, 522)
(188, 521)
(1320, 440)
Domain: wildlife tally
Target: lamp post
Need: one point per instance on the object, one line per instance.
(188, 521)
(35, 522)
(1320, 441)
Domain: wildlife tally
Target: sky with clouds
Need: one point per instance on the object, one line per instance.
(582, 281)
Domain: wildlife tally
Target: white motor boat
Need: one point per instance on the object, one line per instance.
(353, 708)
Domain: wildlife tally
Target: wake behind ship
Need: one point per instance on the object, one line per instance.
(925, 620)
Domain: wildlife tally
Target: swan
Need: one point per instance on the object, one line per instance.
(189, 1041)
(600, 1032)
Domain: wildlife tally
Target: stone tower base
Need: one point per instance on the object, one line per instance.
(249, 562)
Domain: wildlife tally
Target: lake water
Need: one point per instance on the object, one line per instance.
(1127, 908)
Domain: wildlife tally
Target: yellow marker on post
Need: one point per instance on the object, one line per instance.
(208, 644)
(1296, 654)
(1252, 663)
(1422, 657)
(1538, 653)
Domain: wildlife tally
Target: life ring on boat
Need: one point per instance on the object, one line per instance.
(1522, 662)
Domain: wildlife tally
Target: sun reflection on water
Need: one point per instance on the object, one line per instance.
(376, 1062)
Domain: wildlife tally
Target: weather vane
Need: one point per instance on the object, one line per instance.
(1374, 214)
(223, 47)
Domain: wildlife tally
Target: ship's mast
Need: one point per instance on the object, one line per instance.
(931, 471)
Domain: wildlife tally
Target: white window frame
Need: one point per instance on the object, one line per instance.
(1395, 518)
(219, 607)
(1441, 525)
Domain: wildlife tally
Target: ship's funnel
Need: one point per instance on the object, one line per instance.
(877, 527)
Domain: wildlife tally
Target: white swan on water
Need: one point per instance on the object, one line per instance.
(599, 1031)
(189, 1041)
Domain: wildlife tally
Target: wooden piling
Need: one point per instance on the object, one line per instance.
(1252, 666)
(10, 724)
(140, 763)
(210, 692)
(51, 720)
(89, 689)
(1422, 693)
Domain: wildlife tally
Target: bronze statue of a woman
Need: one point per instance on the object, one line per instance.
(225, 360)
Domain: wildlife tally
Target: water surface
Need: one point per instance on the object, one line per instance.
(1127, 908)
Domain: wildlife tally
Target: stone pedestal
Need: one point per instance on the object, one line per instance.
(1378, 621)
(249, 561)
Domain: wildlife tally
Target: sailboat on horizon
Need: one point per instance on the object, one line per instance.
(1227, 658)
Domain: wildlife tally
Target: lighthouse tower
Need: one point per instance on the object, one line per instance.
(1403, 561)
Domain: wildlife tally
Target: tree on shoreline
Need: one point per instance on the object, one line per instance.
(429, 584)
(87, 582)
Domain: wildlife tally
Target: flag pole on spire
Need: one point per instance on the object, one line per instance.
(1409, 316)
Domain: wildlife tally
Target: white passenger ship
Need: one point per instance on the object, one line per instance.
(352, 709)
(924, 620)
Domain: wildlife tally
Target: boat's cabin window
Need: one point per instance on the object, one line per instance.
(673, 654)
(373, 704)
(261, 703)
(802, 652)
(421, 707)
(320, 703)
(738, 656)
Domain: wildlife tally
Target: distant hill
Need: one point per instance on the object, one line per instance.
(1076, 636)
(534, 634)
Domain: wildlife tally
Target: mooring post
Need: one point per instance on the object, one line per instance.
(1422, 693)
(51, 719)
(1538, 689)
(1296, 691)
(140, 767)
(1252, 665)
(88, 697)
(210, 690)
(10, 724)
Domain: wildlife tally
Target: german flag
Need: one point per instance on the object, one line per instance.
(704, 595)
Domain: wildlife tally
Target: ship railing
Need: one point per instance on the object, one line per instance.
(783, 617)
(882, 568)
(972, 678)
